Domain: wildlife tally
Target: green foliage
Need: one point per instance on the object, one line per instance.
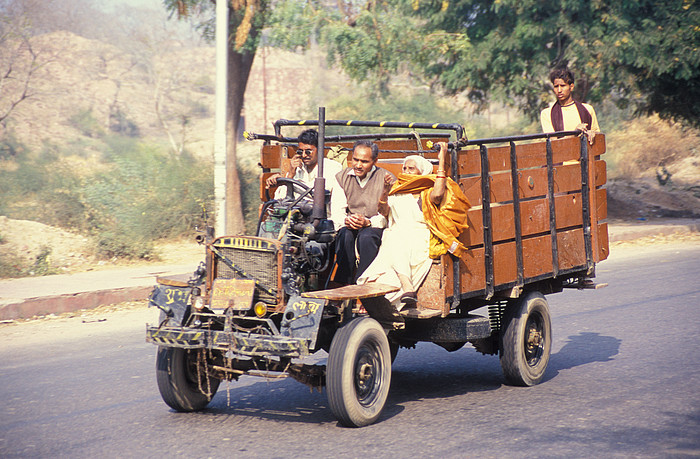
(121, 124)
(293, 24)
(85, 122)
(42, 264)
(642, 53)
(246, 20)
(410, 106)
(11, 148)
(145, 196)
(639, 53)
(137, 196)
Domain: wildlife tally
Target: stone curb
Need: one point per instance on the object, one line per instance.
(57, 304)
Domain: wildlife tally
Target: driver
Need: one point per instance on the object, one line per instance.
(304, 165)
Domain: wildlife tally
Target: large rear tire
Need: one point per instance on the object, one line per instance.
(183, 386)
(526, 340)
(358, 372)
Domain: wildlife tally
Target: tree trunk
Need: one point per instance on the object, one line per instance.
(239, 66)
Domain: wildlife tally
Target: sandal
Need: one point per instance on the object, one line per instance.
(409, 299)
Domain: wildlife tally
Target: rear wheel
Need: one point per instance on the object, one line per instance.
(182, 378)
(526, 340)
(358, 372)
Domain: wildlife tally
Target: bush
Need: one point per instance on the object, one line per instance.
(146, 196)
(12, 265)
(647, 143)
(85, 122)
(11, 148)
(137, 195)
(120, 124)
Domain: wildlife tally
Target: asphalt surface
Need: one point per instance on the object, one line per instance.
(39, 296)
(622, 382)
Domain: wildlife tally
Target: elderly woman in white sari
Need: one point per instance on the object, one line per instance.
(403, 259)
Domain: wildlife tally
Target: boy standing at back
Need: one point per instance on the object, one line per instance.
(567, 114)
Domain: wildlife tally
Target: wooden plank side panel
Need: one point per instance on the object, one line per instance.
(537, 256)
(601, 173)
(599, 145)
(602, 203)
(505, 267)
(270, 155)
(533, 154)
(472, 273)
(431, 294)
(396, 168)
(537, 259)
(603, 243)
(571, 249)
(534, 219)
(533, 183)
(566, 149)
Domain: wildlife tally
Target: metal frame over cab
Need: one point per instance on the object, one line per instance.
(260, 303)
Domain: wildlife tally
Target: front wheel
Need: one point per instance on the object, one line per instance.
(358, 372)
(526, 340)
(182, 378)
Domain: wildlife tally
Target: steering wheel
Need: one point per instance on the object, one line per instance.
(291, 184)
(290, 200)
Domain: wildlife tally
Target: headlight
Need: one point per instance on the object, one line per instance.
(198, 303)
(260, 309)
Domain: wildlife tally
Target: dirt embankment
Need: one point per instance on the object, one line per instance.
(35, 249)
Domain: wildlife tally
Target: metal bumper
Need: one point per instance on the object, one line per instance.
(238, 343)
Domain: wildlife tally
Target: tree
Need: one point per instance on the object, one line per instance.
(19, 61)
(367, 38)
(246, 20)
(641, 52)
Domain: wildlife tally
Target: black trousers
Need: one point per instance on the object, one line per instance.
(368, 241)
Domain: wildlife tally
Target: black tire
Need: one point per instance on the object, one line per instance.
(526, 340)
(176, 373)
(358, 372)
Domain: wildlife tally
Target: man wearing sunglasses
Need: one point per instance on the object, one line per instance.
(304, 165)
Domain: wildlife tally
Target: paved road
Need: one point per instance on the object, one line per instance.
(622, 382)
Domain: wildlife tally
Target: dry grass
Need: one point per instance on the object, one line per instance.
(646, 144)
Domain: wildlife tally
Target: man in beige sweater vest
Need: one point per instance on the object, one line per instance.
(355, 212)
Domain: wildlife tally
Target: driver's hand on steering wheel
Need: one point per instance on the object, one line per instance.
(272, 180)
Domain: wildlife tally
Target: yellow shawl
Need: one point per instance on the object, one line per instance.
(447, 221)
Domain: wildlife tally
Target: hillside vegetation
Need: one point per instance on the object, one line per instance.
(113, 150)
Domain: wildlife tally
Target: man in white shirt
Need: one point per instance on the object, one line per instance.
(305, 166)
(357, 200)
(567, 114)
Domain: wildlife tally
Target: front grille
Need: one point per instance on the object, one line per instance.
(256, 258)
